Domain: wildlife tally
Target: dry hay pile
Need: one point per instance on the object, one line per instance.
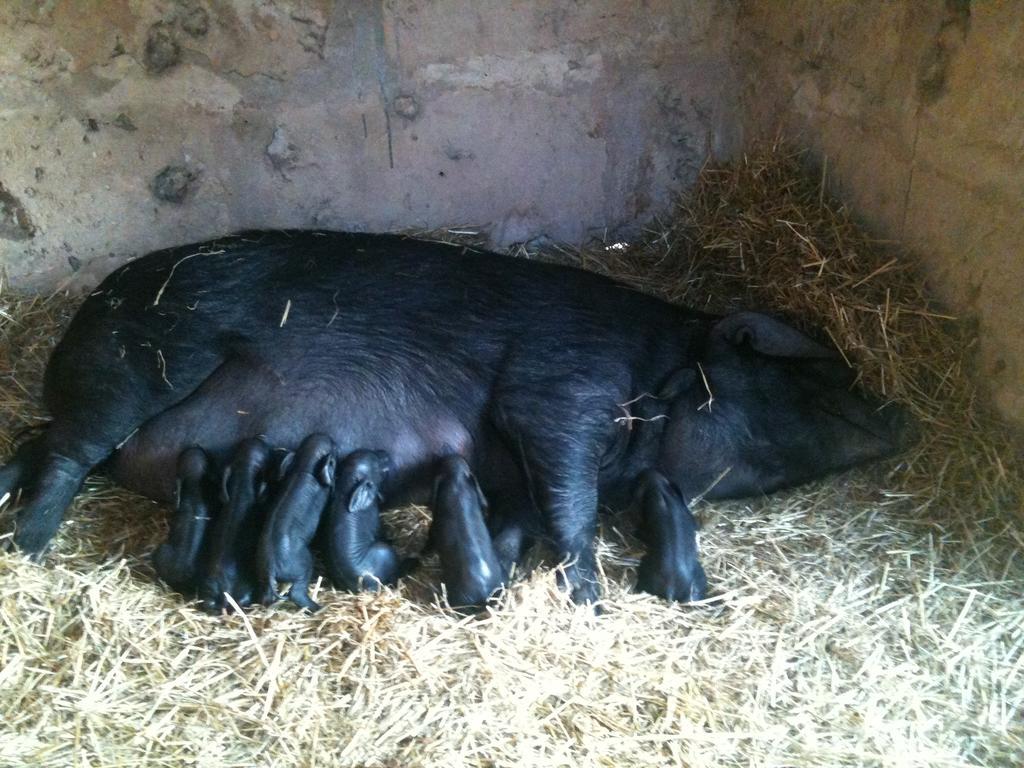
(871, 619)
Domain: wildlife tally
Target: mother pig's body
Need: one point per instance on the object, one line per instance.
(419, 349)
(558, 385)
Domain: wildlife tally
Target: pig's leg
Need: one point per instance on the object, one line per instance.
(558, 431)
(22, 467)
(298, 593)
(571, 507)
(48, 483)
(561, 475)
(382, 566)
(93, 416)
(59, 479)
(512, 522)
(69, 449)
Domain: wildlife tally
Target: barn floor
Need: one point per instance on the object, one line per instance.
(873, 619)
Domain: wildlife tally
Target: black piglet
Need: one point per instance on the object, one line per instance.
(292, 521)
(671, 567)
(182, 557)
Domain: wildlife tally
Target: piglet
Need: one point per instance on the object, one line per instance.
(180, 559)
(243, 491)
(307, 477)
(357, 558)
(470, 569)
(671, 568)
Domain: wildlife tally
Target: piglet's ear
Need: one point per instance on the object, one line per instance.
(363, 496)
(225, 478)
(767, 335)
(285, 465)
(435, 489)
(325, 471)
(385, 461)
(480, 494)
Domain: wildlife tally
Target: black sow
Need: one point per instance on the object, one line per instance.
(537, 374)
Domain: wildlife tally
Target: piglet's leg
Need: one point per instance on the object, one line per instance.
(299, 594)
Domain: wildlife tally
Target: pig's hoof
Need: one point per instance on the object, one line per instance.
(211, 606)
(582, 589)
(302, 599)
(586, 593)
(31, 541)
(407, 566)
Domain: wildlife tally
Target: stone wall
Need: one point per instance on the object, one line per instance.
(918, 108)
(129, 125)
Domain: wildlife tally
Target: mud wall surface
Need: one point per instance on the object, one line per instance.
(919, 110)
(130, 125)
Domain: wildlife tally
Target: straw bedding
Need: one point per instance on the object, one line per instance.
(873, 618)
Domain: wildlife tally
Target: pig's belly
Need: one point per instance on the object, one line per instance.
(229, 409)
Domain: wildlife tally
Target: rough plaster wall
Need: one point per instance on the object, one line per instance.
(919, 109)
(128, 125)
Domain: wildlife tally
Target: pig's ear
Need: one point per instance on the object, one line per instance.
(636, 496)
(285, 465)
(766, 335)
(645, 481)
(434, 491)
(480, 494)
(677, 383)
(325, 471)
(225, 478)
(363, 496)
